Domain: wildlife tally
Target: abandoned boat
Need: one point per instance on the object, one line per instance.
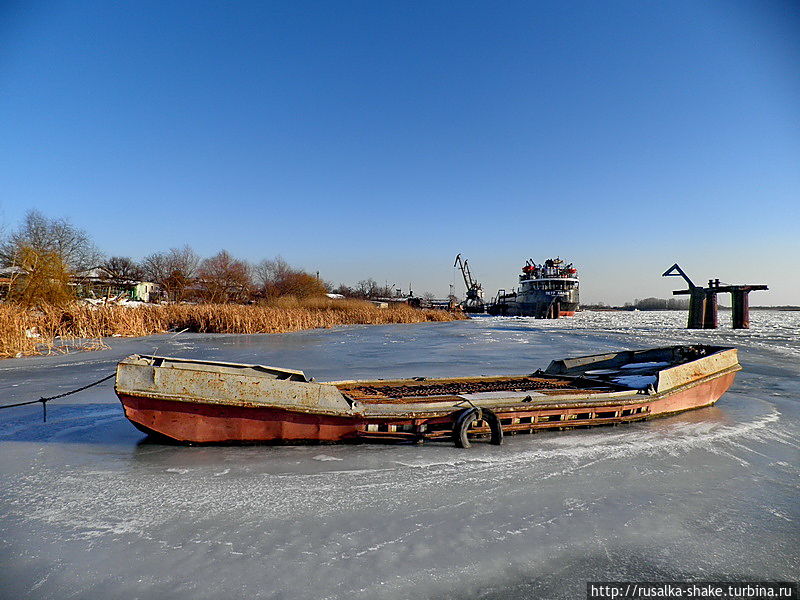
(196, 401)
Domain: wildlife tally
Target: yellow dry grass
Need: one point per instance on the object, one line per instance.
(47, 330)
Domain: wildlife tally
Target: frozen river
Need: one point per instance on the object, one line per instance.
(92, 509)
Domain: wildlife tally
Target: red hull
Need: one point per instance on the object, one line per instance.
(212, 423)
(698, 396)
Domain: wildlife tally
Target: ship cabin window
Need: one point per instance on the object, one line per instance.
(549, 285)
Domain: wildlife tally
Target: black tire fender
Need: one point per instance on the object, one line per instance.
(467, 417)
(493, 421)
(461, 424)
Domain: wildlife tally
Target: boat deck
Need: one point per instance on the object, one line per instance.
(413, 391)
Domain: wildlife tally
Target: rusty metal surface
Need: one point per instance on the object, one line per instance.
(214, 424)
(533, 418)
(227, 368)
(397, 392)
(703, 366)
(235, 385)
(445, 405)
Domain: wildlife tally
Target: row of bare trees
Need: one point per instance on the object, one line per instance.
(183, 275)
(367, 288)
(42, 256)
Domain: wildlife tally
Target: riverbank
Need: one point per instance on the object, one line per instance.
(28, 332)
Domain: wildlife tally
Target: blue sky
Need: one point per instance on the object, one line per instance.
(379, 139)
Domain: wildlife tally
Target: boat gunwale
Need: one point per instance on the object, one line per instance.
(198, 361)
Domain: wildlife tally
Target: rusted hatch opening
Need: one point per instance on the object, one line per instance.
(606, 415)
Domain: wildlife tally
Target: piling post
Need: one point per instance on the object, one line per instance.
(740, 301)
(711, 314)
(703, 307)
(697, 308)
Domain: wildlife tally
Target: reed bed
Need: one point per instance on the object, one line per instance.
(48, 330)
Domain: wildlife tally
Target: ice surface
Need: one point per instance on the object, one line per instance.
(644, 365)
(92, 509)
(635, 381)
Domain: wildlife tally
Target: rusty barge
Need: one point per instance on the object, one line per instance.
(205, 402)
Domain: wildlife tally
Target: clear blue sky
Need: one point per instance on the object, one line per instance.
(381, 138)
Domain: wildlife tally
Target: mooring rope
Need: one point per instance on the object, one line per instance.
(44, 401)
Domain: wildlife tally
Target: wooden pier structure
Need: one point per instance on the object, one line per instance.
(703, 304)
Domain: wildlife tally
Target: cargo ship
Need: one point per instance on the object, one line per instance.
(546, 291)
(209, 402)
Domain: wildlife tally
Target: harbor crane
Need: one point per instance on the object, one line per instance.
(474, 301)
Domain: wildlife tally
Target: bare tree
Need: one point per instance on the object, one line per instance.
(300, 284)
(346, 291)
(174, 271)
(268, 271)
(155, 267)
(122, 268)
(276, 278)
(369, 288)
(53, 237)
(222, 278)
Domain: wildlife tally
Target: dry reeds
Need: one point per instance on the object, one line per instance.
(46, 330)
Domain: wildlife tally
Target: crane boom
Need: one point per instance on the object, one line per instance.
(474, 301)
(462, 264)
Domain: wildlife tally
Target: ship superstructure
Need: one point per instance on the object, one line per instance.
(546, 291)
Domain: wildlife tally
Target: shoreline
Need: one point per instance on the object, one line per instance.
(81, 328)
